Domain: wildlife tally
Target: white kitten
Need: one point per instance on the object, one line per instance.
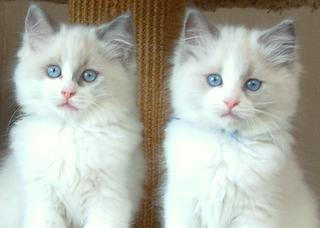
(228, 147)
(76, 158)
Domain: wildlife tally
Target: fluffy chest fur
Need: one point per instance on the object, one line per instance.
(223, 174)
(65, 147)
(70, 161)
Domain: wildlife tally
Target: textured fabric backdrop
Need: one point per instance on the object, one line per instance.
(274, 5)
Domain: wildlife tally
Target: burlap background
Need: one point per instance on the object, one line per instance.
(258, 4)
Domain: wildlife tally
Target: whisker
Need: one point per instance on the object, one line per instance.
(191, 38)
(268, 114)
(101, 95)
(266, 103)
(264, 126)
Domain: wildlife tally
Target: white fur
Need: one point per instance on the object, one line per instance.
(224, 172)
(73, 168)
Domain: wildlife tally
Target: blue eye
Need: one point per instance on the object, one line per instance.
(214, 80)
(53, 71)
(89, 75)
(253, 84)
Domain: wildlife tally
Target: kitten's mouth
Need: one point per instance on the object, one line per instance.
(230, 114)
(68, 106)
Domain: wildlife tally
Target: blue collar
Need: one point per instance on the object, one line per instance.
(238, 138)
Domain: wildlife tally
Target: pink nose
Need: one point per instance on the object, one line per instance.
(68, 94)
(231, 103)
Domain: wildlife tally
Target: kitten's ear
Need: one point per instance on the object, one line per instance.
(196, 28)
(118, 37)
(38, 26)
(280, 43)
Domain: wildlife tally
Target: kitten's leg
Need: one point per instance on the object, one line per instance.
(43, 210)
(108, 211)
(178, 210)
(249, 222)
(255, 225)
(100, 218)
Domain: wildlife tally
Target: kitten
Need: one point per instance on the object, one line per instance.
(228, 147)
(76, 159)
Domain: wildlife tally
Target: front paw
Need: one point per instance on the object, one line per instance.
(43, 222)
(102, 223)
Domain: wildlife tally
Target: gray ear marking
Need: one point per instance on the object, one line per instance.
(121, 24)
(118, 36)
(37, 24)
(196, 31)
(196, 27)
(280, 43)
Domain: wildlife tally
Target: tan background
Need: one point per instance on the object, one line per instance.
(307, 129)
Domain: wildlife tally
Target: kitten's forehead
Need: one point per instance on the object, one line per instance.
(75, 48)
(77, 44)
(232, 53)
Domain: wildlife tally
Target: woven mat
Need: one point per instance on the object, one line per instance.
(275, 5)
(157, 26)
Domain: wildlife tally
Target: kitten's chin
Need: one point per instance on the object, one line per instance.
(229, 122)
(67, 107)
(65, 111)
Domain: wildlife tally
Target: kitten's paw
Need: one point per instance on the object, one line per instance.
(42, 222)
(101, 223)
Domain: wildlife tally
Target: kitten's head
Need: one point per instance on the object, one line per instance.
(235, 78)
(74, 70)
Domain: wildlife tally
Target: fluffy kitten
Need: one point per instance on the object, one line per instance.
(76, 158)
(228, 147)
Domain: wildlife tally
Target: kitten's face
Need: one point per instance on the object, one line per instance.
(234, 78)
(74, 70)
